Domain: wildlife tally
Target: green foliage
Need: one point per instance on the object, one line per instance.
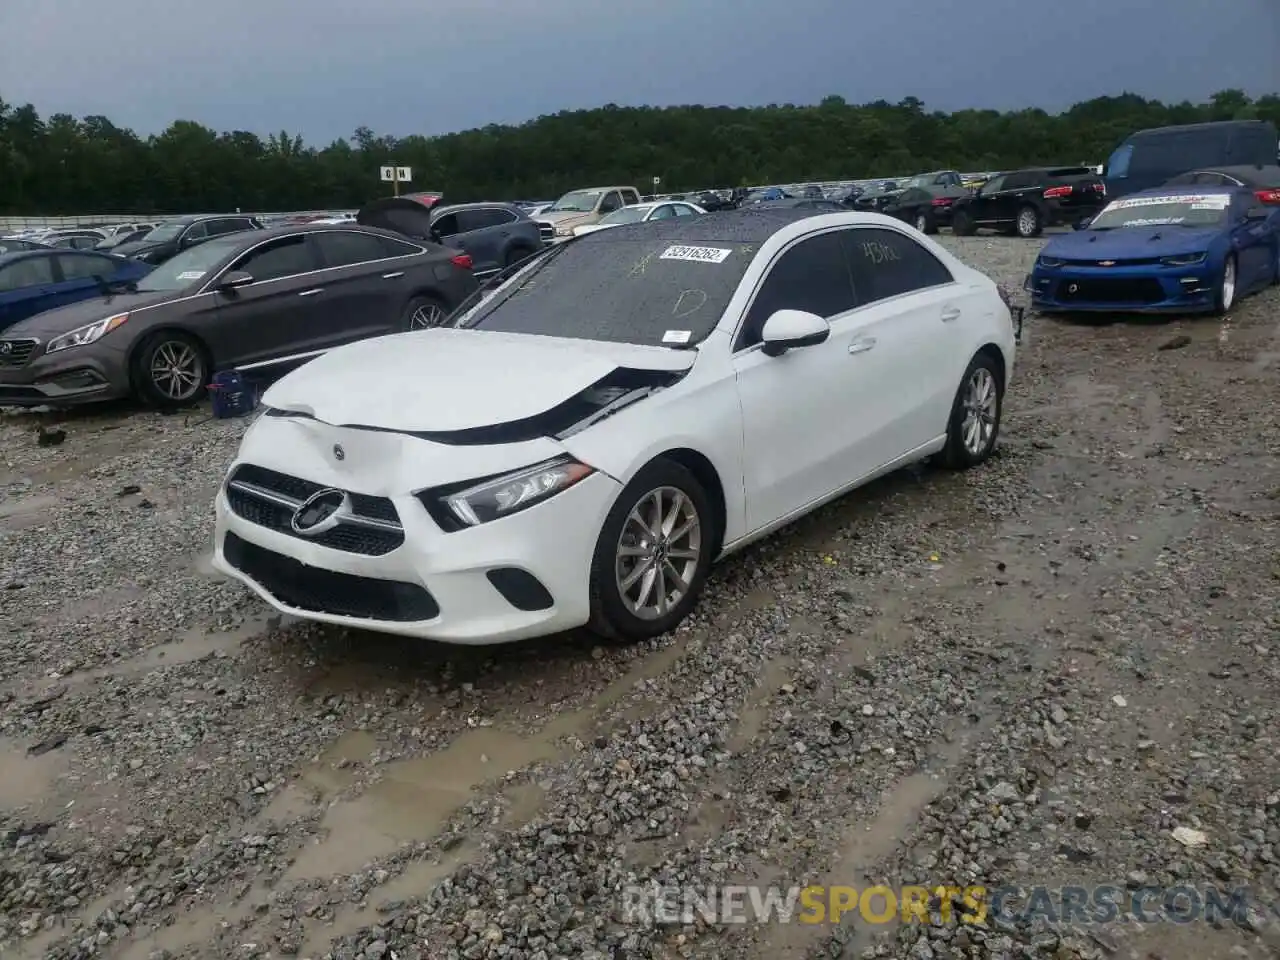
(62, 165)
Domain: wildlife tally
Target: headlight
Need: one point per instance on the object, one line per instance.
(1048, 262)
(86, 334)
(564, 230)
(1183, 260)
(456, 508)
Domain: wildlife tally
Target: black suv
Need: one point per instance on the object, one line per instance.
(180, 233)
(1024, 202)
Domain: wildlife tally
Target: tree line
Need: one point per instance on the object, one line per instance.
(65, 165)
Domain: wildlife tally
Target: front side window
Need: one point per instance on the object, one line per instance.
(611, 202)
(1118, 165)
(78, 268)
(886, 263)
(810, 276)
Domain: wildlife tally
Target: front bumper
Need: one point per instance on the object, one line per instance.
(79, 375)
(434, 585)
(1150, 289)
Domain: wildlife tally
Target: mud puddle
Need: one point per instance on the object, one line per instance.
(194, 928)
(413, 798)
(26, 779)
(417, 880)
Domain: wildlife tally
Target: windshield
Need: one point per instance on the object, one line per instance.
(579, 201)
(633, 289)
(1205, 210)
(191, 266)
(627, 215)
(167, 231)
(924, 180)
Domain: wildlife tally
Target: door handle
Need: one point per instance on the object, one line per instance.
(392, 276)
(862, 346)
(312, 292)
(949, 314)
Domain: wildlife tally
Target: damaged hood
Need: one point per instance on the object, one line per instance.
(443, 380)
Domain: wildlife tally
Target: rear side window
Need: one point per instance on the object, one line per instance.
(885, 263)
(1019, 181)
(342, 248)
(398, 248)
(1174, 153)
(481, 218)
(1252, 145)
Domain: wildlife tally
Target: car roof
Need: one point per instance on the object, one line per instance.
(1184, 127)
(751, 225)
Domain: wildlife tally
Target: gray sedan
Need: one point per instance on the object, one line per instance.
(250, 300)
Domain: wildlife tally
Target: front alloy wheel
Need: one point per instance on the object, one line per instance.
(652, 554)
(1227, 286)
(658, 553)
(171, 371)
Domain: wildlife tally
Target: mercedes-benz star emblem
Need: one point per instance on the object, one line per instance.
(338, 452)
(321, 511)
(6, 346)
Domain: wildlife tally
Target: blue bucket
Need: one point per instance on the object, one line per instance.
(232, 395)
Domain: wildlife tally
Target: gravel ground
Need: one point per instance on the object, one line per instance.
(1028, 674)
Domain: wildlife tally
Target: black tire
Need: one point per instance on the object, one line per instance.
(611, 616)
(433, 313)
(169, 370)
(962, 224)
(515, 255)
(924, 221)
(957, 454)
(1223, 300)
(1029, 223)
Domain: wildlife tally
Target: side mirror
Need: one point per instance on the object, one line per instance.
(234, 280)
(788, 329)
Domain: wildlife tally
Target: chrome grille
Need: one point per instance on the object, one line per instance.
(270, 499)
(16, 353)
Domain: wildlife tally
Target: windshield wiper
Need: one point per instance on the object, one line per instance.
(537, 262)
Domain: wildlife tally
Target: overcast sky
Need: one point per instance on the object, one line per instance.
(323, 67)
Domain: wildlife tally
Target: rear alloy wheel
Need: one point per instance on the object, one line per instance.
(922, 222)
(974, 426)
(653, 554)
(423, 313)
(1225, 297)
(1028, 223)
(171, 370)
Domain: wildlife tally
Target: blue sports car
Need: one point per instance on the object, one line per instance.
(33, 281)
(1172, 249)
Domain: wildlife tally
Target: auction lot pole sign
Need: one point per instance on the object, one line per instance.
(396, 176)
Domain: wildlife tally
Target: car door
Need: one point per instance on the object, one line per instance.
(279, 314)
(486, 230)
(914, 322)
(25, 287)
(1254, 245)
(983, 205)
(798, 417)
(363, 287)
(1005, 202)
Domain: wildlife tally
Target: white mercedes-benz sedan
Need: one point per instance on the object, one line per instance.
(600, 423)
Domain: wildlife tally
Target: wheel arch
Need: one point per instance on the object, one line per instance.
(993, 351)
(705, 473)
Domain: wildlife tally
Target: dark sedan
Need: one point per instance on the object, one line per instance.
(174, 236)
(1264, 181)
(18, 244)
(250, 300)
(43, 279)
(816, 204)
